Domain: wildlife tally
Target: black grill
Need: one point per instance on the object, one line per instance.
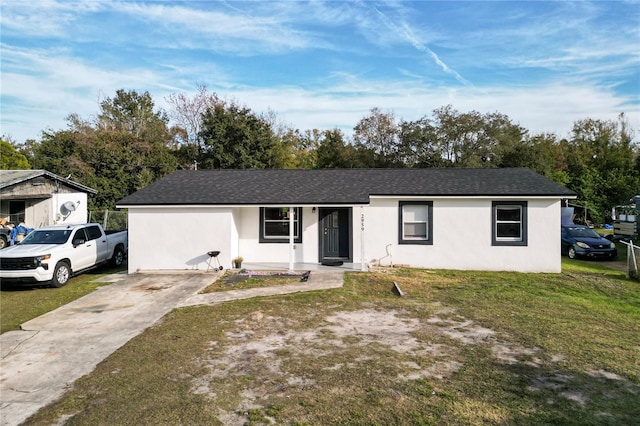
(17, 264)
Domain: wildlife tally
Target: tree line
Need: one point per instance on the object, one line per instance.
(130, 143)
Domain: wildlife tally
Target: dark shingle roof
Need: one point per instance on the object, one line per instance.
(337, 186)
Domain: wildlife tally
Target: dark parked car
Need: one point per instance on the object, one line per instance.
(582, 241)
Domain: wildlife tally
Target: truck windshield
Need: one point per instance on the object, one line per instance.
(47, 237)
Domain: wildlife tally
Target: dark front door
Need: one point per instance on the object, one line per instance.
(335, 238)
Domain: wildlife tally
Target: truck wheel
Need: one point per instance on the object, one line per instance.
(118, 256)
(3, 241)
(61, 275)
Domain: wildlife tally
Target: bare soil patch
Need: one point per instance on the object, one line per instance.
(238, 280)
(344, 343)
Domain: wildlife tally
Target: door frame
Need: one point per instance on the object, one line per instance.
(344, 230)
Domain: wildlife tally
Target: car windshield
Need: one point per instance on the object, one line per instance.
(47, 237)
(583, 233)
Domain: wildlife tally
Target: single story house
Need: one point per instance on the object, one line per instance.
(473, 219)
(40, 198)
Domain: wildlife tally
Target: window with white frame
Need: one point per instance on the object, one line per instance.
(415, 222)
(274, 224)
(509, 223)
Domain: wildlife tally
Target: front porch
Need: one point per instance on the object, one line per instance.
(275, 266)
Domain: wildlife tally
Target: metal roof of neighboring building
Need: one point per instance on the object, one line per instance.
(10, 178)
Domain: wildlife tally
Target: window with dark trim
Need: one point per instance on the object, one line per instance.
(509, 223)
(274, 225)
(93, 232)
(415, 224)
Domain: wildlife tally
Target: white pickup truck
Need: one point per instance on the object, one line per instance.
(55, 253)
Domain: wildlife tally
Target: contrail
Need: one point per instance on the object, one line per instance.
(406, 32)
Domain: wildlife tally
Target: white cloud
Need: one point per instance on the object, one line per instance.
(581, 60)
(44, 18)
(551, 107)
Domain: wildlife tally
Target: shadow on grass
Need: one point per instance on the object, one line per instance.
(557, 395)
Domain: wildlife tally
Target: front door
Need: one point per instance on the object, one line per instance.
(335, 237)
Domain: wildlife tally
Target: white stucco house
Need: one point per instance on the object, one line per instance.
(469, 219)
(40, 198)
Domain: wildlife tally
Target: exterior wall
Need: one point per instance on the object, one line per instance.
(179, 238)
(41, 212)
(253, 251)
(462, 237)
(80, 215)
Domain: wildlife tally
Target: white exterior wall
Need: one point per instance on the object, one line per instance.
(253, 251)
(462, 236)
(177, 238)
(79, 215)
(46, 212)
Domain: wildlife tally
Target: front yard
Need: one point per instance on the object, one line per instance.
(459, 348)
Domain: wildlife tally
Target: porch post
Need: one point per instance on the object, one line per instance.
(363, 266)
(291, 237)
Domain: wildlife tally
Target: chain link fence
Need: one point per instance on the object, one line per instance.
(111, 220)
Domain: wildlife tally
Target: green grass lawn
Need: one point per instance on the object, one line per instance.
(19, 304)
(460, 348)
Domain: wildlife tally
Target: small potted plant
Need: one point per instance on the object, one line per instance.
(237, 262)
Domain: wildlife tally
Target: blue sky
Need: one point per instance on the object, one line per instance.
(324, 64)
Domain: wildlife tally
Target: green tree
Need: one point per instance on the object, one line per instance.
(600, 164)
(305, 148)
(11, 158)
(122, 150)
(419, 146)
(475, 140)
(377, 133)
(334, 153)
(132, 113)
(236, 138)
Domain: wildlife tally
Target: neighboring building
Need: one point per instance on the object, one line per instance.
(474, 219)
(40, 198)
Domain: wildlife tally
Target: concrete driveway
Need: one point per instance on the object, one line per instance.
(43, 360)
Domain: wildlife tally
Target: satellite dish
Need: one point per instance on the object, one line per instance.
(67, 208)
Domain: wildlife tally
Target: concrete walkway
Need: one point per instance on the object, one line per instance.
(318, 280)
(43, 360)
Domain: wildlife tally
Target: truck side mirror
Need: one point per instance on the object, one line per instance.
(78, 242)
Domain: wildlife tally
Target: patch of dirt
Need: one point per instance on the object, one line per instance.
(234, 280)
(618, 265)
(261, 343)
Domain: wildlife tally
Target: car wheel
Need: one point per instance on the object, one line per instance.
(3, 241)
(118, 256)
(61, 275)
(572, 253)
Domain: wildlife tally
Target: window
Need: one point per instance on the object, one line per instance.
(509, 223)
(93, 232)
(274, 225)
(415, 224)
(17, 211)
